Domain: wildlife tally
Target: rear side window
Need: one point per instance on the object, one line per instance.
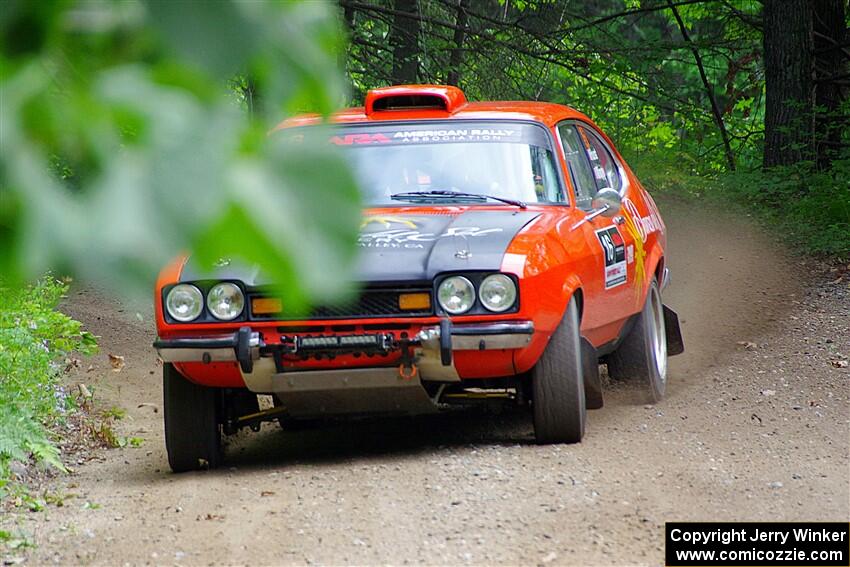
(581, 175)
(605, 170)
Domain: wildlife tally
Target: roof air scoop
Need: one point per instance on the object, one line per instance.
(414, 97)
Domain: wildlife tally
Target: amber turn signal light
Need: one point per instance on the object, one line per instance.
(266, 305)
(414, 301)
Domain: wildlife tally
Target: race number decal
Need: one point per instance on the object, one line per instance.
(614, 253)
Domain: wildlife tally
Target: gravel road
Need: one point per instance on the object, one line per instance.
(755, 427)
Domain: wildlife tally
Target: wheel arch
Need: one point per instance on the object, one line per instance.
(659, 269)
(654, 269)
(578, 293)
(573, 288)
(548, 320)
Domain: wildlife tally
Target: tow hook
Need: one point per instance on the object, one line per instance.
(408, 371)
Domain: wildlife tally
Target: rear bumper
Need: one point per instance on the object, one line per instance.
(430, 350)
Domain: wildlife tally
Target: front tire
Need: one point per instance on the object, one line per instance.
(192, 429)
(590, 371)
(558, 385)
(642, 357)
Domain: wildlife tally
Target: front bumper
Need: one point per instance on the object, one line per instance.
(430, 349)
(243, 345)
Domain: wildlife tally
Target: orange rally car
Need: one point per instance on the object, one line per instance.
(506, 252)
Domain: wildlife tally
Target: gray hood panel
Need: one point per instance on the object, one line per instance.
(410, 247)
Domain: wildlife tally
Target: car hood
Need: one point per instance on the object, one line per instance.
(417, 247)
(410, 247)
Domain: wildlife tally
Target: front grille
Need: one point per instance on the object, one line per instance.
(371, 303)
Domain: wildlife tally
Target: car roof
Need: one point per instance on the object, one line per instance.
(436, 102)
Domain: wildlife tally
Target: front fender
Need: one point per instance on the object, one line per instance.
(545, 301)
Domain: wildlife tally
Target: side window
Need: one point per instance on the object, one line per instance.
(546, 183)
(581, 175)
(605, 170)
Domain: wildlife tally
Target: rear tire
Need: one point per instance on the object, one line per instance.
(642, 357)
(558, 385)
(192, 429)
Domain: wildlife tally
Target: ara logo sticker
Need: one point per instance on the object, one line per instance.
(614, 253)
(356, 139)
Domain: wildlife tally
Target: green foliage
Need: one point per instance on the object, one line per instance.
(115, 413)
(805, 208)
(31, 503)
(123, 145)
(34, 340)
(14, 541)
(623, 63)
(104, 432)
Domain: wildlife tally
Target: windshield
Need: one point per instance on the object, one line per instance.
(509, 160)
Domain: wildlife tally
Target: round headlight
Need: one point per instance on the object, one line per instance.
(184, 302)
(497, 293)
(225, 301)
(456, 295)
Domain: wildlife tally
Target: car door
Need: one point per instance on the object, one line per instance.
(608, 288)
(636, 218)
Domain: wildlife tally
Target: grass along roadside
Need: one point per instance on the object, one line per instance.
(36, 342)
(50, 421)
(808, 210)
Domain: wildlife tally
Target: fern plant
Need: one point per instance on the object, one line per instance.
(34, 339)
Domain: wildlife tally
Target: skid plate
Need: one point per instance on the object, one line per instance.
(356, 391)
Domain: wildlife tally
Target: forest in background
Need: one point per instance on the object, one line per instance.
(744, 100)
(732, 82)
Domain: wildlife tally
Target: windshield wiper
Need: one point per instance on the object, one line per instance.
(455, 194)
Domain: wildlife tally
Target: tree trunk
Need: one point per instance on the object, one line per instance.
(404, 39)
(655, 22)
(789, 82)
(349, 14)
(709, 91)
(456, 58)
(828, 27)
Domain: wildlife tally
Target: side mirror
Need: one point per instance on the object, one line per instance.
(607, 201)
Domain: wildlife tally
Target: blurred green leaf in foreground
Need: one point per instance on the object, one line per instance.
(121, 143)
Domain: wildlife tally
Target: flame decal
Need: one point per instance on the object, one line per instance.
(640, 254)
